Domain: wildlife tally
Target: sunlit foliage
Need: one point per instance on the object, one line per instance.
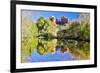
(47, 38)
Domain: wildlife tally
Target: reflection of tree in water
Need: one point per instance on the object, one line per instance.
(79, 49)
(46, 46)
(76, 38)
(47, 38)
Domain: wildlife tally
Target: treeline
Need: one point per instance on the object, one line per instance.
(46, 38)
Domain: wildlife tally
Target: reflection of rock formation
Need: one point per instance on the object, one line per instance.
(63, 49)
(53, 49)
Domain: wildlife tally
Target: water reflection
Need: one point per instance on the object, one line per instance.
(45, 40)
(56, 49)
(57, 56)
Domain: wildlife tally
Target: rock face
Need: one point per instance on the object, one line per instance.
(53, 20)
(62, 21)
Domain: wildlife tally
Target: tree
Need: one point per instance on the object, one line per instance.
(76, 37)
(28, 38)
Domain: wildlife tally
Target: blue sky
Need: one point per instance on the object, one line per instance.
(58, 15)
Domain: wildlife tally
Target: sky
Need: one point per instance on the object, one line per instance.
(34, 14)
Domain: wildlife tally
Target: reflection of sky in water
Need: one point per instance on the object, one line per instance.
(57, 56)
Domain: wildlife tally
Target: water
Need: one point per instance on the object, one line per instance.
(57, 56)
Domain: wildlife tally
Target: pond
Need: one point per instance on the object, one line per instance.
(52, 49)
(57, 56)
(45, 41)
